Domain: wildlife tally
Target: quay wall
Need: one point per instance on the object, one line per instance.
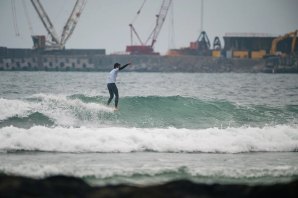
(141, 63)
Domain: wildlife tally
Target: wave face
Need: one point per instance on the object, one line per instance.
(123, 140)
(142, 112)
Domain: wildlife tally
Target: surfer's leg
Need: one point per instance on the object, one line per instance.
(116, 96)
(110, 88)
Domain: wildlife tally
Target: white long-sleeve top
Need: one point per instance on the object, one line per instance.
(112, 76)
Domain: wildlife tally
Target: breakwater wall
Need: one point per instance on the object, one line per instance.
(141, 63)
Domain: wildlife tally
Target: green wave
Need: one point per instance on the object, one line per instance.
(149, 112)
(186, 112)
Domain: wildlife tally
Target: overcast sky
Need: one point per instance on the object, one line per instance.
(104, 23)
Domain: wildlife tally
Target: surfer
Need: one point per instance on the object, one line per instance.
(111, 83)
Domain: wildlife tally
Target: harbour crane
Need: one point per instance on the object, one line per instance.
(56, 42)
(144, 48)
(216, 43)
(203, 42)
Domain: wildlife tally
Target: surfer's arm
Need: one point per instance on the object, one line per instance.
(124, 66)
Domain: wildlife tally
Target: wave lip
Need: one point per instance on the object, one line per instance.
(123, 140)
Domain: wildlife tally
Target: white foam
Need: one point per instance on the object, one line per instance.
(64, 110)
(61, 109)
(10, 108)
(213, 140)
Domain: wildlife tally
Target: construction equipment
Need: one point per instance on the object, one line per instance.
(144, 48)
(56, 41)
(276, 60)
(202, 43)
(216, 43)
(200, 47)
(275, 41)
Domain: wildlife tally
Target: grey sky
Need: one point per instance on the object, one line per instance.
(104, 23)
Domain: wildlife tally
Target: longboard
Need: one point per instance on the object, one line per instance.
(112, 108)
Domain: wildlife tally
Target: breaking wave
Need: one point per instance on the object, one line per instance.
(141, 112)
(123, 140)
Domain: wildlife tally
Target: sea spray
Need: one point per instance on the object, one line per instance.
(10, 108)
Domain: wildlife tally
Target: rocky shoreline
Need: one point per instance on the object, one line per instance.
(65, 186)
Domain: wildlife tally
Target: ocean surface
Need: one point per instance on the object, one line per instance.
(208, 128)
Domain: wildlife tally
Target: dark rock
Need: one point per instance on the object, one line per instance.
(64, 186)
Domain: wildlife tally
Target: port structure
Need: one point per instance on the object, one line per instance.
(217, 43)
(143, 48)
(56, 42)
(202, 43)
(201, 46)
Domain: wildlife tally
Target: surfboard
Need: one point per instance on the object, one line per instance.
(112, 109)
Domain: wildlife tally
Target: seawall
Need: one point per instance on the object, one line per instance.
(141, 63)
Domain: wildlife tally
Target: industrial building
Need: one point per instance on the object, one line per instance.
(255, 45)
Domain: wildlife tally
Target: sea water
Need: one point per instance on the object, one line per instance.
(208, 128)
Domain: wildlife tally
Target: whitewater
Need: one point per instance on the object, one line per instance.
(209, 128)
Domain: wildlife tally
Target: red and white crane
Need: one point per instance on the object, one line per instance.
(144, 47)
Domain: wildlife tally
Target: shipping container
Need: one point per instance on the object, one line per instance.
(216, 53)
(258, 54)
(240, 54)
